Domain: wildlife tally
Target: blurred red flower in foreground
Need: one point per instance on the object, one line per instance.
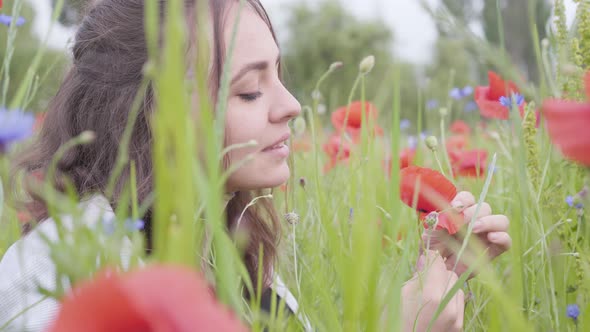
(155, 299)
(354, 123)
(488, 97)
(469, 163)
(456, 142)
(568, 124)
(336, 150)
(460, 127)
(435, 193)
(406, 158)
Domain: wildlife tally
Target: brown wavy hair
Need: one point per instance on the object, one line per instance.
(97, 93)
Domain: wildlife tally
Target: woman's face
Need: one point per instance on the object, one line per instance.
(259, 105)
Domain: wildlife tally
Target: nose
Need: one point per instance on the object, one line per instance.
(285, 106)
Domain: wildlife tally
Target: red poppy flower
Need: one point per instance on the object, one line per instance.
(406, 157)
(460, 127)
(156, 299)
(435, 190)
(488, 97)
(568, 123)
(354, 123)
(336, 150)
(456, 142)
(469, 163)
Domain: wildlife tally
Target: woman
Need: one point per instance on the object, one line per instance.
(108, 58)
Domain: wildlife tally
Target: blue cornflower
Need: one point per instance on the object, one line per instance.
(14, 126)
(570, 201)
(516, 98)
(470, 107)
(405, 124)
(134, 225)
(109, 225)
(432, 104)
(573, 311)
(7, 20)
(466, 91)
(456, 94)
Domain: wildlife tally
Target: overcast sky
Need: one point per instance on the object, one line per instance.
(413, 28)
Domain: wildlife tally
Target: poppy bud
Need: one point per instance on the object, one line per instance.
(367, 64)
(443, 111)
(545, 43)
(87, 137)
(321, 109)
(299, 126)
(302, 182)
(431, 143)
(335, 65)
(316, 95)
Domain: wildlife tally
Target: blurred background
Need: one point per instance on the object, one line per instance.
(431, 58)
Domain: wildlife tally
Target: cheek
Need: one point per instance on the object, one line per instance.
(244, 123)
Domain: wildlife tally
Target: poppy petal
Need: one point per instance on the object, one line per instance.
(567, 125)
(434, 188)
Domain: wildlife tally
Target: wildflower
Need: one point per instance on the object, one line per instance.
(456, 142)
(131, 225)
(470, 106)
(574, 201)
(406, 158)
(431, 183)
(467, 91)
(337, 151)
(567, 124)
(405, 124)
(435, 193)
(137, 301)
(573, 312)
(292, 218)
(367, 65)
(455, 93)
(353, 125)
(488, 97)
(7, 20)
(322, 109)
(469, 163)
(431, 104)
(458, 93)
(460, 127)
(569, 200)
(516, 99)
(335, 65)
(14, 126)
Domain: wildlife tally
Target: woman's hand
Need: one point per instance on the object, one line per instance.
(422, 295)
(491, 229)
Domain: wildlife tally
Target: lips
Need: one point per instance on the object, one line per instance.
(278, 143)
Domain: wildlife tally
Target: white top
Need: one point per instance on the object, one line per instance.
(26, 266)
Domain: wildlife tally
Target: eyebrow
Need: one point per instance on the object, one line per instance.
(258, 65)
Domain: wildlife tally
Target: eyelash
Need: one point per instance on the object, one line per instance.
(249, 97)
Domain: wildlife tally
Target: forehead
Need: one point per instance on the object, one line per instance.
(254, 41)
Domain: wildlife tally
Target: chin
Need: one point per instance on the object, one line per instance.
(260, 179)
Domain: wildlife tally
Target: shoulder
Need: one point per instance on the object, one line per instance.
(26, 266)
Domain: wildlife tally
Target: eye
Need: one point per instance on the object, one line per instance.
(248, 97)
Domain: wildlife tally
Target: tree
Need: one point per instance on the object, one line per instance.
(321, 35)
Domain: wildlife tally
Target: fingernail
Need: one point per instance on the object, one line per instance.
(493, 237)
(456, 204)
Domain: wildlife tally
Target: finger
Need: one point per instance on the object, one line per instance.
(484, 210)
(463, 200)
(500, 239)
(431, 262)
(491, 223)
(460, 298)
